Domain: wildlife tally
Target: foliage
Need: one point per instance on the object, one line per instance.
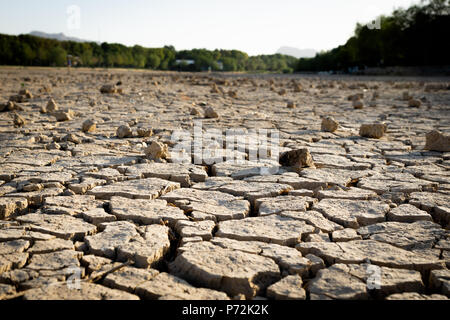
(415, 36)
(34, 51)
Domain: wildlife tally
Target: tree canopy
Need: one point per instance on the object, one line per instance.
(29, 50)
(417, 36)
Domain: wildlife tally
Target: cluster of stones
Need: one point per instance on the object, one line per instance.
(356, 207)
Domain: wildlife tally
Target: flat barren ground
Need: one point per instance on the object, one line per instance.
(94, 203)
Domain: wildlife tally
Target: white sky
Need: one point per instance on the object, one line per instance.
(253, 26)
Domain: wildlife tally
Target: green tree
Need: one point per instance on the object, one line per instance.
(58, 56)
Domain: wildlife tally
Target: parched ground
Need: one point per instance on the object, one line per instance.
(88, 214)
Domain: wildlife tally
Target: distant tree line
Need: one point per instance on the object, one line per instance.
(29, 50)
(417, 36)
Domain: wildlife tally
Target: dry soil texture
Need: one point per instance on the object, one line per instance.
(91, 211)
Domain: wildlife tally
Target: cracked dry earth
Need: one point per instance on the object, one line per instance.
(79, 201)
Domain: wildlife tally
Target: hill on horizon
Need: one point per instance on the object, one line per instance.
(297, 53)
(57, 36)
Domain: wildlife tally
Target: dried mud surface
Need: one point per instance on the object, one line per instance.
(91, 211)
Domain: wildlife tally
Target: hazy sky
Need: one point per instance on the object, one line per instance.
(253, 26)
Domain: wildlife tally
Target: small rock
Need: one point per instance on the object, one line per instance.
(329, 124)
(357, 104)
(52, 146)
(108, 88)
(355, 97)
(157, 150)
(194, 112)
(19, 121)
(89, 126)
(233, 94)
(437, 141)
(414, 103)
(64, 115)
(406, 96)
(144, 132)
(124, 131)
(298, 159)
(52, 106)
(210, 113)
(26, 93)
(72, 138)
(17, 98)
(291, 105)
(298, 88)
(372, 130)
(215, 88)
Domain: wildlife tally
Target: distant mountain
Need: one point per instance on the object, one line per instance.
(298, 53)
(57, 36)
